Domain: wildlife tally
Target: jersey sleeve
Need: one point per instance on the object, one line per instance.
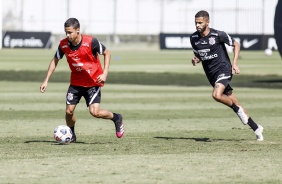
(97, 47)
(225, 38)
(59, 53)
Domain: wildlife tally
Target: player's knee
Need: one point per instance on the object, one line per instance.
(96, 114)
(69, 113)
(216, 96)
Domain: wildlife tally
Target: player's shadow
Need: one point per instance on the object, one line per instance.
(205, 139)
(55, 143)
(186, 138)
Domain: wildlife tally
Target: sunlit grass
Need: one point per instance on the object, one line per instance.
(169, 132)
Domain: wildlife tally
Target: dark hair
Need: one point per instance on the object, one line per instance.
(72, 22)
(203, 14)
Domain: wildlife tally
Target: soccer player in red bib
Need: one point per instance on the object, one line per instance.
(87, 75)
(209, 48)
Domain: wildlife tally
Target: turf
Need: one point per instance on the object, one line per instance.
(181, 136)
(145, 68)
(174, 133)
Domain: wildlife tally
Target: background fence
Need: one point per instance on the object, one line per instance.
(138, 19)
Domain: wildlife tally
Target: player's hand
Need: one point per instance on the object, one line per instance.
(101, 78)
(195, 60)
(236, 69)
(43, 87)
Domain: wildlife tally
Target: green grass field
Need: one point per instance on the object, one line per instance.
(174, 132)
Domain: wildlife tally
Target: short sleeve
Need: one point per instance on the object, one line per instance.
(59, 53)
(224, 37)
(97, 47)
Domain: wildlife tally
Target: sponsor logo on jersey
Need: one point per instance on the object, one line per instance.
(85, 44)
(209, 57)
(204, 54)
(77, 64)
(65, 46)
(195, 36)
(203, 43)
(76, 58)
(78, 69)
(204, 50)
(211, 40)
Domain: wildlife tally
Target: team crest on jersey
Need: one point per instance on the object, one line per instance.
(211, 40)
(70, 96)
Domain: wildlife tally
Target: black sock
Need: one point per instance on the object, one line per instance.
(72, 129)
(115, 118)
(252, 124)
(234, 107)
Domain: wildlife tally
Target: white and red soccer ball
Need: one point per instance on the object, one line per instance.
(63, 134)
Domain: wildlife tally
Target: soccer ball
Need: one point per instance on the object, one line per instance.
(63, 134)
(268, 52)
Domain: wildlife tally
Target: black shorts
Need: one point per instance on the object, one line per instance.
(223, 78)
(91, 95)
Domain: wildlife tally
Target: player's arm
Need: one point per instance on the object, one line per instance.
(107, 59)
(196, 59)
(235, 67)
(224, 37)
(98, 48)
(51, 69)
(52, 66)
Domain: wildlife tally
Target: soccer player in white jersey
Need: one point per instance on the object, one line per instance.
(209, 48)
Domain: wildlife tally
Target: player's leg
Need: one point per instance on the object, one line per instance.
(93, 98)
(72, 99)
(243, 115)
(71, 119)
(222, 91)
(219, 96)
(224, 95)
(95, 111)
(238, 109)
